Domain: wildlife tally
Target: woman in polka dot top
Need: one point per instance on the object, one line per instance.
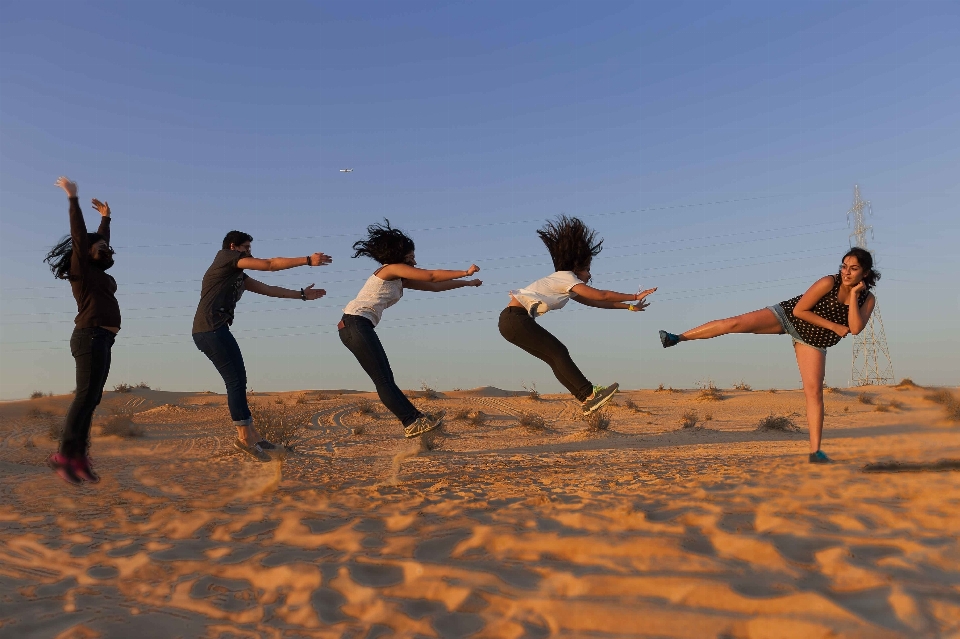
(831, 309)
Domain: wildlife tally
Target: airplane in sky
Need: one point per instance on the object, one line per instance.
(346, 170)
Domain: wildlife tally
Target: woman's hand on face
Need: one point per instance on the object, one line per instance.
(841, 330)
(64, 183)
(313, 293)
(103, 208)
(473, 269)
(855, 291)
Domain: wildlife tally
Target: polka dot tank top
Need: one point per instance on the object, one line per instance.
(829, 308)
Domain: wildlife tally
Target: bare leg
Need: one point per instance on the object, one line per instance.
(762, 322)
(812, 364)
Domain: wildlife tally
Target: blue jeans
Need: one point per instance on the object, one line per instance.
(222, 349)
(359, 336)
(90, 348)
(789, 329)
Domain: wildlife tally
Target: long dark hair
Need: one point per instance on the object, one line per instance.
(384, 243)
(865, 259)
(571, 243)
(58, 258)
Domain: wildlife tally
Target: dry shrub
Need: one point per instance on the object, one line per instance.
(863, 398)
(689, 419)
(120, 424)
(532, 421)
(906, 384)
(322, 397)
(279, 401)
(709, 392)
(708, 417)
(532, 393)
(359, 430)
(949, 402)
(661, 389)
(462, 414)
(833, 390)
(779, 423)
(365, 407)
(427, 392)
(896, 404)
(142, 386)
(597, 421)
(279, 423)
(36, 395)
(772, 391)
(882, 408)
(478, 418)
(742, 386)
(122, 387)
(301, 399)
(39, 413)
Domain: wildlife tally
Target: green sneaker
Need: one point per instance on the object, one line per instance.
(424, 424)
(601, 395)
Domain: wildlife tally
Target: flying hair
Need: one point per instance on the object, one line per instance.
(572, 244)
(58, 258)
(384, 244)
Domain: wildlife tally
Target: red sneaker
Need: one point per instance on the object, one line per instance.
(81, 468)
(64, 468)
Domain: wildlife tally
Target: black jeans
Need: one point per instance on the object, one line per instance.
(91, 350)
(221, 348)
(518, 328)
(358, 335)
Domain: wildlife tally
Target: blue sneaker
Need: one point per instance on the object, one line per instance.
(669, 339)
(819, 458)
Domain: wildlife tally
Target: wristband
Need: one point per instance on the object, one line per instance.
(303, 295)
(308, 261)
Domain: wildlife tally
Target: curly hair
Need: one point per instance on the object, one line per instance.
(384, 244)
(58, 258)
(571, 243)
(865, 259)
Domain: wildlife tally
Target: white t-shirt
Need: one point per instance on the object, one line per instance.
(547, 294)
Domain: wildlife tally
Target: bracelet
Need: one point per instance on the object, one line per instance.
(303, 295)
(308, 261)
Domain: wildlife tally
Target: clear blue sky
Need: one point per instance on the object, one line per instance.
(714, 145)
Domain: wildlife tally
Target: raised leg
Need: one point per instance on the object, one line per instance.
(761, 322)
(812, 363)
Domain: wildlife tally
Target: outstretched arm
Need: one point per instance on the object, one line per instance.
(437, 287)
(78, 228)
(598, 298)
(282, 263)
(412, 273)
(306, 293)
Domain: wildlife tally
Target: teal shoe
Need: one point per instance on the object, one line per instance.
(819, 458)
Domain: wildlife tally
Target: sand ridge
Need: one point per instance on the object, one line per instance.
(643, 530)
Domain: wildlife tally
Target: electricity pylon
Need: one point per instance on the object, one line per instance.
(871, 357)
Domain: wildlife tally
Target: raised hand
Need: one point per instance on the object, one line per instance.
(643, 294)
(314, 293)
(320, 259)
(67, 185)
(102, 207)
(473, 269)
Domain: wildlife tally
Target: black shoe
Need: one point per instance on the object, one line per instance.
(265, 445)
(669, 339)
(254, 451)
(820, 458)
(600, 397)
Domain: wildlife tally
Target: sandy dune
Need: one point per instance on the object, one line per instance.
(642, 530)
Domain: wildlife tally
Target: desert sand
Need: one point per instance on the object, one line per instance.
(645, 529)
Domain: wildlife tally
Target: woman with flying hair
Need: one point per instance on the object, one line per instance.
(572, 246)
(83, 259)
(832, 308)
(395, 251)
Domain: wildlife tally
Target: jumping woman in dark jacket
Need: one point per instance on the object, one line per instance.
(831, 309)
(83, 259)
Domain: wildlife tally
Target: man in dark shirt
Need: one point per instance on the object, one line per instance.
(83, 259)
(223, 284)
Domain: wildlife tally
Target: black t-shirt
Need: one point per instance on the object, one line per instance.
(221, 289)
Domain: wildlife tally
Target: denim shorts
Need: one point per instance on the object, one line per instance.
(789, 329)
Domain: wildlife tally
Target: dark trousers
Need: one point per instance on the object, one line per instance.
(358, 335)
(518, 328)
(222, 349)
(91, 350)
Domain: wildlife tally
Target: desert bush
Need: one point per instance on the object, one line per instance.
(427, 392)
(742, 386)
(882, 408)
(708, 417)
(949, 402)
(778, 423)
(322, 397)
(896, 404)
(462, 414)
(478, 418)
(39, 413)
(279, 423)
(122, 387)
(359, 430)
(36, 395)
(772, 391)
(365, 407)
(597, 421)
(142, 386)
(906, 383)
(689, 419)
(120, 423)
(532, 421)
(709, 391)
(279, 401)
(863, 398)
(532, 392)
(833, 390)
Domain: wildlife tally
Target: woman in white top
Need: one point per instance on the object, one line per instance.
(395, 251)
(572, 247)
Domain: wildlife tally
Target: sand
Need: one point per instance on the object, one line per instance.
(642, 530)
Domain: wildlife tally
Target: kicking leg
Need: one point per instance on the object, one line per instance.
(812, 363)
(761, 322)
